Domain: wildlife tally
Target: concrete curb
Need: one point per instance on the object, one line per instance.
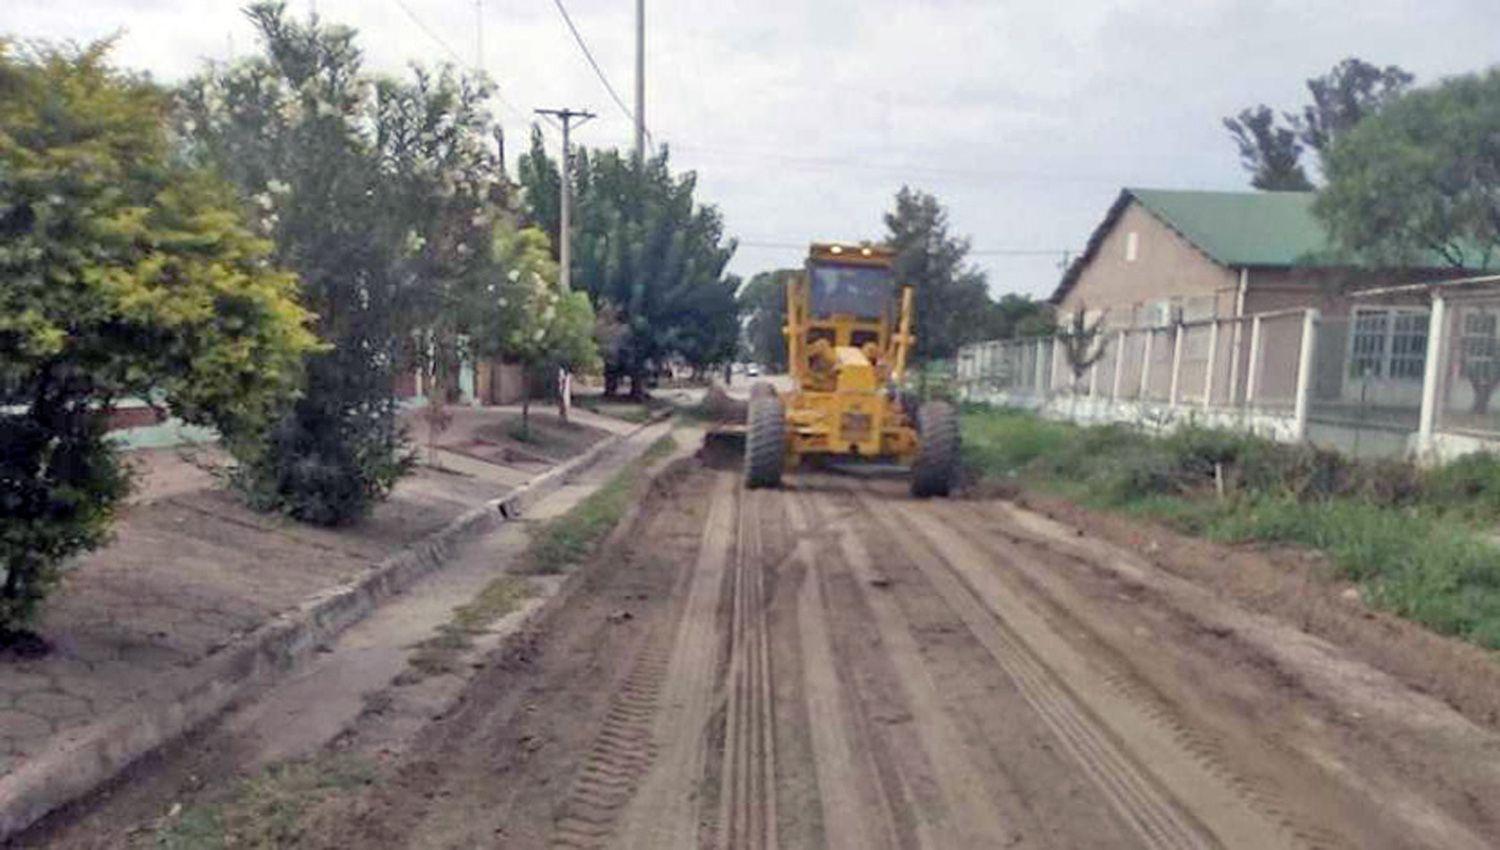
(89, 756)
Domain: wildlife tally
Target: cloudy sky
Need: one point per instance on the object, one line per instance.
(803, 118)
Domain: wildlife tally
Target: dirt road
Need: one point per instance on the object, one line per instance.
(837, 665)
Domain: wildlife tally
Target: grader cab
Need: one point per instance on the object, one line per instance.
(848, 335)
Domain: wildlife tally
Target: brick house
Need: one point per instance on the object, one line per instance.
(1163, 256)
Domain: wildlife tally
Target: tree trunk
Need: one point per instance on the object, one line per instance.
(611, 382)
(525, 403)
(1482, 392)
(638, 384)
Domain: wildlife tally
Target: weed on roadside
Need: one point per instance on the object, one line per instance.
(572, 537)
(1413, 538)
(439, 654)
(268, 810)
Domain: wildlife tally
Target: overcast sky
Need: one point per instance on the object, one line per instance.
(802, 119)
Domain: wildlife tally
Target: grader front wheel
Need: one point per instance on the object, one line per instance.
(936, 469)
(765, 443)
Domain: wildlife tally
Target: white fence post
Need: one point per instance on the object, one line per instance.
(1041, 365)
(1146, 363)
(1432, 371)
(1304, 372)
(1176, 365)
(1114, 392)
(1213, 362)
(1251, 374)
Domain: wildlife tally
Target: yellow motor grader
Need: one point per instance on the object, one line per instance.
(848, 332)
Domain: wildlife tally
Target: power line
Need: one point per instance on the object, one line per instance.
(911, 170)
(441, 42)
(974, 252)
(598, 71)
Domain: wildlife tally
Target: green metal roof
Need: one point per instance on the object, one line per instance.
(1234, 229)
(1242, 228)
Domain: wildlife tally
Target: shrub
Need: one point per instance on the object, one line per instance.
(123, 272)
(1469, 485)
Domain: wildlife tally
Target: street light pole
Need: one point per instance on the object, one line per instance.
(564, 230)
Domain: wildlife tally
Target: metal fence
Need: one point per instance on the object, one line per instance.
(1369, 370)
(1252, 364)
(1408, 370)
(1468, 368)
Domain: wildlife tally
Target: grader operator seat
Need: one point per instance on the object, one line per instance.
(848, 336)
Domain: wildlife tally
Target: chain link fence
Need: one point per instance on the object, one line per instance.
(1469, 368)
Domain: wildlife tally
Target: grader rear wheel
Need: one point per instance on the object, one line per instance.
(765, 443)
(936, 469)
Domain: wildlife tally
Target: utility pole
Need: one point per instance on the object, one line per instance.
(479, 35)
(640, 80)
(564, 229)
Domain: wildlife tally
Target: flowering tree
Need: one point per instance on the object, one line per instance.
(122, 273)
(380, 193)
(521, 313)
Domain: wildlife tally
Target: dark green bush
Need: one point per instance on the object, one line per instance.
(329, 460)
(1469, 485)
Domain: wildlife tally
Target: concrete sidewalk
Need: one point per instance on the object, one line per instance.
(193, 576)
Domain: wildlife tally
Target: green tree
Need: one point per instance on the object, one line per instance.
(953, 304)
(649, 256)
(522, 314)
(1270, 153)
(1346, 95)
(763, 307)
(123, 273)
(381, 194)
(1271, 149)
(1418, 185)
(1019, 316)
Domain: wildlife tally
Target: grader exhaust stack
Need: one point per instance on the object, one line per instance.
(848, 337)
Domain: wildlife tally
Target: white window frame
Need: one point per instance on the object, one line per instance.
(1387, 356)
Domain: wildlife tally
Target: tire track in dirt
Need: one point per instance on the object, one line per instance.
(855, 815)
(1014, 533)
(1183, 776)
(664, 812)
(967, 817)
(620, 756)
(747, 816)
(1129, 789)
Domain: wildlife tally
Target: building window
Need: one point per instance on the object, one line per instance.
(1132, 246)
(1388, 343)
(1479, 345)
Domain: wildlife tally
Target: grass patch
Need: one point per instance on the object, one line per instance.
(1414, 539)
(573, 537)
(267, 810)
(439, 654)
(637, 412)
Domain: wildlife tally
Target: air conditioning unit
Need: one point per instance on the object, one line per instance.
(1164, 314)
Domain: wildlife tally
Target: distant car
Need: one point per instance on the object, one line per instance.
(753, 370)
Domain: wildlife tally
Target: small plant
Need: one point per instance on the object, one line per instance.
(1083, 343)
(572, 537)
(1407, 535)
